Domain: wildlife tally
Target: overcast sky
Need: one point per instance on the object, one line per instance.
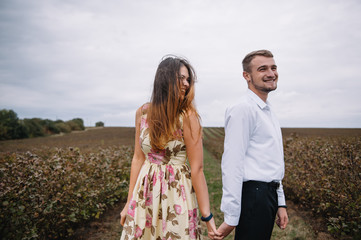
(96, 60)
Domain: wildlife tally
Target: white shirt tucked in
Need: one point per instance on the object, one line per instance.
(253, 150)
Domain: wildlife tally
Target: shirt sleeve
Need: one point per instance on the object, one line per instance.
(237, 136)
(281, 196)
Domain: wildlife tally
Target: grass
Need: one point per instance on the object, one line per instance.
(213, 174)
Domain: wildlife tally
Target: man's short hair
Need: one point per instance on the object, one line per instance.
(246, 63)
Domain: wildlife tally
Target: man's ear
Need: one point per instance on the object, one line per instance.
(247, 76)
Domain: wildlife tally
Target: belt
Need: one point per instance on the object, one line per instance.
(273, 184)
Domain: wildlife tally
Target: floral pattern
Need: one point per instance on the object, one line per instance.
(163, 204)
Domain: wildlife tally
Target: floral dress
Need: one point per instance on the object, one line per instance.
(163, 204)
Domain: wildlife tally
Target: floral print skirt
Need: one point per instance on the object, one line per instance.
(163, 204)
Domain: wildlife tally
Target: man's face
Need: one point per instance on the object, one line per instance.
(263, 76)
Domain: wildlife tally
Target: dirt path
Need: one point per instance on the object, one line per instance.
(107, 227)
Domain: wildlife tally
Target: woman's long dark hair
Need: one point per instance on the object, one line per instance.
(167, 105)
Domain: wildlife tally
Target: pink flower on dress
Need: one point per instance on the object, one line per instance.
(171, 178)
(192, 216)
(183, 192)
(131, 209)
(161, 175)
(156, 157)
(143, 123)
(177, 209)
(171, 173)
(164, 225)
(170, 169)
(148, 221)
(163, 186)
(138, 232)
(154, 179)
(149, 199)
(192, 230)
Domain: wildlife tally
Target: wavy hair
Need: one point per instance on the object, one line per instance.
(167, 105)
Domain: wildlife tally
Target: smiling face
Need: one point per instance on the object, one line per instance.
(183, 80)
(263, 76)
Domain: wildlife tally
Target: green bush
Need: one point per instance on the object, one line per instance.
(13, 128)
(34, 127)
(76, 124)
(50, 127)
(10, 126)
(44, 195)
(62, 126)
(324, 175)
(99, 124)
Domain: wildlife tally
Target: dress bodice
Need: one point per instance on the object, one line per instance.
(174, 151)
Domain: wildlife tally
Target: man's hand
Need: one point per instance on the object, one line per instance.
(224, 230)
(282, 218)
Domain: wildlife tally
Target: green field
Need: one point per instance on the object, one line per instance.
(319, 163)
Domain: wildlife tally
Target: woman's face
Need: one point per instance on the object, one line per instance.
(184, 80)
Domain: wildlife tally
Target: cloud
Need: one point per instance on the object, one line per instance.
(96, 60)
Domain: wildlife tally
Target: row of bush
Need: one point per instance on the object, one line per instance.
(323, 174)
(11, 127)
(48, 193)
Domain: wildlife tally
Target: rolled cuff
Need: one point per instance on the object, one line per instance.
(231, 220)
(281, 196)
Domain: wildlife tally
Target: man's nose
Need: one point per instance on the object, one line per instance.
(271, 73)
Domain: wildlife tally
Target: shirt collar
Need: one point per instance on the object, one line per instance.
(261, 104)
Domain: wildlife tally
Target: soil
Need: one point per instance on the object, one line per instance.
(107, 227)
(318, 225)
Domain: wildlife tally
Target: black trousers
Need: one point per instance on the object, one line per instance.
(258, 213)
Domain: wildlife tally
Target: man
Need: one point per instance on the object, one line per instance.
(252, 161)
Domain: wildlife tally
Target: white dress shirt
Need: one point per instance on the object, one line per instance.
(253, 150)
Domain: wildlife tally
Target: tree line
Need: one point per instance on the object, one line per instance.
(11, 127)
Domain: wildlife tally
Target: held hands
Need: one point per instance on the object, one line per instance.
(224, 230)
(218, 234)
(212, 229)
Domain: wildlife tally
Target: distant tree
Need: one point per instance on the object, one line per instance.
(10, 126)
(99, 124)
(35, 127)
(62, 126)
(50, 127)
(76, 124)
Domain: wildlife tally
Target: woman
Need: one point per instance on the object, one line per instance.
(163, 189)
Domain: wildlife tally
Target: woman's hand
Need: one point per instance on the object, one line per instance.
(212, 229)
(123, 214)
